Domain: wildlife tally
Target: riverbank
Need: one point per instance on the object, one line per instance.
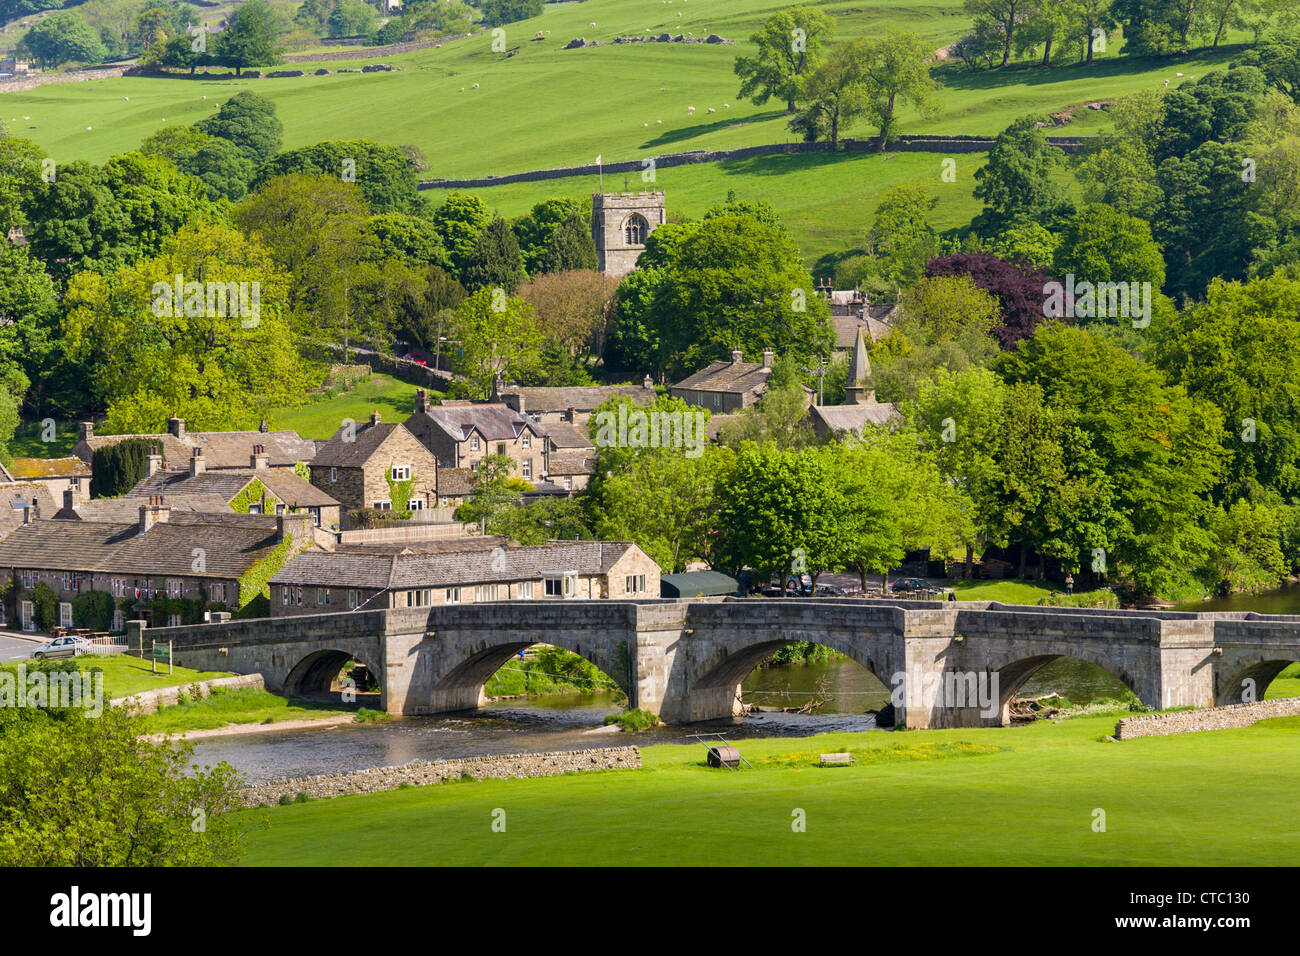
(239, 730)
(976, 797)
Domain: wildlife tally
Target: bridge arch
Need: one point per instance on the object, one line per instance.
(1015, 674)
(315, 672)
(1248, 680)
(461, 687)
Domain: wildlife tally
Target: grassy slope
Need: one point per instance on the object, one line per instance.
(125, 675)
(243, 706)
(1167, 801)
(393, 399)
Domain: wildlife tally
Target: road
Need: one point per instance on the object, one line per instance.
(15, 648)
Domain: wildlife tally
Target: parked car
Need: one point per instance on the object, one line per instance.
(71, 646)
(409, 357)
(830, 590)
(903, 585)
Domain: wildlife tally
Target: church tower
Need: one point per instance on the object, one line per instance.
(620, 223)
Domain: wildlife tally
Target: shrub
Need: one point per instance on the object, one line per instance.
(633, 720)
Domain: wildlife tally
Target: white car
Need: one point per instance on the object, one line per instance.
(71, 646)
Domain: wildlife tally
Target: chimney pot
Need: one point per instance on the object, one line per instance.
(197, 464)
(86, 430)
(176, 426)
(768, 358)
(263, 426)
(71, 499)
(375, 418)
(736, 356)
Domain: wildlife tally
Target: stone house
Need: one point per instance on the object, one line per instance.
(461, 434)
(257, 489)
(22, 502)
(284, 449)
(166, 568)
(571, 456)
(362, 465)
(551, 406)
(56, 474)
(860, 410)
(320, 582)
(726, 387)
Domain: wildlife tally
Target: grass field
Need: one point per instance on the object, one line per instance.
(245, 705)
(125, 675)
(548, 106)
(322, 417)
(1023, 796)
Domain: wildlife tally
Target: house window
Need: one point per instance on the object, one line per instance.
(297, 596)
(635, 583)
(562, 585)
(473, 443)
(717, 400)
(25, 612)
(322, 596)
(453, 596)
(527, 470)
(501, 448)
(526, 590)
(334, 474)
(382, 506)
(353, 600)
(217, 593)
(568, 483)
(279, 509)
(255, 509)
(401, 472)
(175, 588)
(443, 501)
(415, 504)
(527, 440)
(65, 614)
(485, 592)
(29, 580)
(173, 620)
(315, 516)
(422, 597)
(286, 597)
(119, 621)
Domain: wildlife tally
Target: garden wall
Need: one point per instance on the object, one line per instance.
(1210, 718)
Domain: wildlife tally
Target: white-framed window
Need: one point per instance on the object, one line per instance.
(217, 593)
(26, 612)
(354, 600)
(568, 483)
(452, 596)
(175, 587)
(322, 596)
(526, 590)
(315, 516)
(443, 501)
(562, 585)
(420, 597)
(173, 620)
(297, 596)
(29, 579)
(635, 583)
(401, 473)
(527, 440)
(415, 504)
(473, 443)
(382, 505)
(485, 592)
(527, 468)
(65, 614)
(286, 595)
(334, 474)
(255, 509)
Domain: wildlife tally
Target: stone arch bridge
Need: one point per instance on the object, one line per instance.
(951, 664)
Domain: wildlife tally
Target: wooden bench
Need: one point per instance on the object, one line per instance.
(836, 760)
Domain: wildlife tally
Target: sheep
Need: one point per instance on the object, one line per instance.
(726, 106)
(476, 86)
(712, 110)
(690, 109)
(659, 122)
(127, 98)
(593, 26)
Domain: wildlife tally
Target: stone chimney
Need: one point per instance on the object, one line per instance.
(153, 462)
(737, 357)
(31, 512)
(176, 426)
(421, 401)
(375, 418)
(768, 358)
(573, 414)
(153, 513)
(71, 499)
(263, 426)
(86, 430)
(261, 460)
(197, 464)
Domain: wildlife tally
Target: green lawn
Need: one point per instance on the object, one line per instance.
(547, 106)
(245, 705)
(125, 675)
(322, 416)
(1022, 796)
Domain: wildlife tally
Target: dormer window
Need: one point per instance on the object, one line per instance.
(528, 440)
(473, 443)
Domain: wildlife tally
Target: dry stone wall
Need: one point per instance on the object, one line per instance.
(422, 773)
(1209, 718)
(147, 702)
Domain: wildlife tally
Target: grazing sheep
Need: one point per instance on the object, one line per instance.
(1178, 74)
(127, 98)
(712, 110)
(645, 124)
(659, 122)
(690, 109)
(476, 86)
(726, 106)
(593, 25)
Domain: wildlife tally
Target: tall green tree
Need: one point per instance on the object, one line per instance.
(251, 37)
(249, 121)
(788, 46)
(495, 262)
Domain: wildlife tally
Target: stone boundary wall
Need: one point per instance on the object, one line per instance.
(422, 773)
(15, 84)
(410, 46)
(905, 144)
(148, 702)
(1210, 718)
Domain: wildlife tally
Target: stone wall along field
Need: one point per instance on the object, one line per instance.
(148, 702)
(1210, 718)
(424, 772)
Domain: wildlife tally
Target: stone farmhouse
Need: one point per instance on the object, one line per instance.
(727, 387)
(56, 474)
(319, 582)
(461, 434)
(283, 449)
(22, 502)
(361, 466)
(165, 568)
(552, 406)
(257, 489)
(571, 455)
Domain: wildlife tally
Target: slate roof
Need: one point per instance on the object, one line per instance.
(728, 376)
(13, 495)
(408, 569)
(565, 435)
(453, 482)
(853, 418)
(24, 469)
(337, 453)
(584, 398)
(846, 327)
(580, 462)
(494, 422)
(231, 543)
(220, 449)
(227, 484)
(125, 510)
